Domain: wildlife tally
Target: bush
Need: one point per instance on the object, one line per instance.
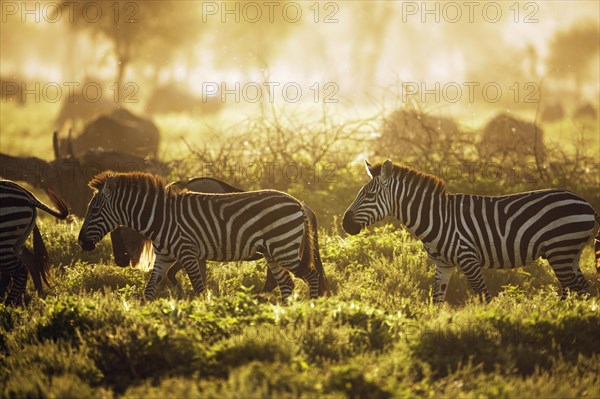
(505, 338)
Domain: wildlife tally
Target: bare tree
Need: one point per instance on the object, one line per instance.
(152, 30)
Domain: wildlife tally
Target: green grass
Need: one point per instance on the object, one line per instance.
(27, 131)
(378, 335)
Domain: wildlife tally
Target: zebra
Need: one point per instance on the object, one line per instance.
(17, 220)
(472, 231)
(190, 226)
(37, 265)
(211, 185)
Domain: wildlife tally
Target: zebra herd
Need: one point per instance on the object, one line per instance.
(204, 219)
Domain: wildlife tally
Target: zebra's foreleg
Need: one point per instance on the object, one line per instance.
(195, 272)
(18, 273)
(282, 275)
(472, 270)
(162, 263)
(440, 283)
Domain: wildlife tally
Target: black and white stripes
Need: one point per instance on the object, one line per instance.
(190, 226)
(472, 232)
(17, 219)
(211, 185)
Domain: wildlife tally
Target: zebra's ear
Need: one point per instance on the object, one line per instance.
(109, 186)
(369, 168)
(386, 170)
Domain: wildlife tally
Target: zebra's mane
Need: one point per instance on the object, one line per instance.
(148, 181)
(401, 171)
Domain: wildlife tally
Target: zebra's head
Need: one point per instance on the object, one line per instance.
(101, 217)
(373, 201)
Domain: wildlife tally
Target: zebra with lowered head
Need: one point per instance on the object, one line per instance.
(18, 211)
(472, 231)
(186, 227)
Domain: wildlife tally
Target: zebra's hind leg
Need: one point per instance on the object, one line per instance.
(312, 280)
(171, 274)
(583, 287)
(472, 270)
(4, 283)
(569, 274)
(18, 274)
(285, 282)
(440, 283)
(162, 263)
(566, 277)
(270, 282)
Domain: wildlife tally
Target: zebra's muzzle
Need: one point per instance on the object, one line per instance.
(349, 225)
(86, 245)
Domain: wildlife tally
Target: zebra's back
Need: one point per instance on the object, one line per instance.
(235, 226)
(512, 230)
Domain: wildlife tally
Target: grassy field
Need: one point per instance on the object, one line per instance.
(377, 335)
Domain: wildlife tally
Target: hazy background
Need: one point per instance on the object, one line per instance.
(354, 74)
(364, 50)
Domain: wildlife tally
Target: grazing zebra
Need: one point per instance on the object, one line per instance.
(190, 226)
(471, 231)
(17, 219)
(210, 185)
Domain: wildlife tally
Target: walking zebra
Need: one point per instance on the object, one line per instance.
(17, 219)
(190, 226)
(210, 185)
(471, 231)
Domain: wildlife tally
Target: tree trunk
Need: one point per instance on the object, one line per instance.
(121, 65)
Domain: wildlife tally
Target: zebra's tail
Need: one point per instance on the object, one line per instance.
(323, 286)
(41, 264)
(307, 247)
(312, 251)
(59, 203)
(597, 246)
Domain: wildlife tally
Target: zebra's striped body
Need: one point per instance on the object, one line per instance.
(191, 226)
(17, 219)
(472, 232)
(210, 185)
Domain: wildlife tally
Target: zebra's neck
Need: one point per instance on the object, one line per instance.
(145, 213)
(421, 207)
